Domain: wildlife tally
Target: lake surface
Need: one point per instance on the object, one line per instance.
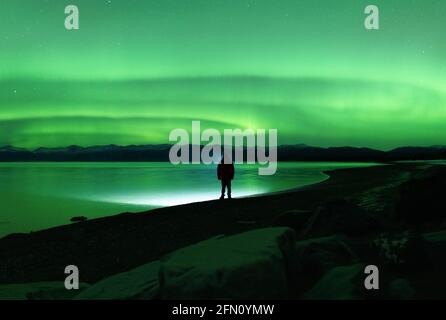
(36, 196)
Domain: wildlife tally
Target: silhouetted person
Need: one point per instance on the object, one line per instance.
(225, 173)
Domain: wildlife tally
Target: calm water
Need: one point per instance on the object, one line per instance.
(35, 196)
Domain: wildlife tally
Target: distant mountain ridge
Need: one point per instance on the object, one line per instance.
(151, 153)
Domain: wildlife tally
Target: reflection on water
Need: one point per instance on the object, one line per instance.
(34, 196)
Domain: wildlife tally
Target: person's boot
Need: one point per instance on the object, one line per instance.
(222, 197)
(229, 196)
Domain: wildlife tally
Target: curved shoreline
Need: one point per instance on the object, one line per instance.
(329, 176)
(106, 246)
(57, 202)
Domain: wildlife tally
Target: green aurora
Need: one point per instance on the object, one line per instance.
(137, 69)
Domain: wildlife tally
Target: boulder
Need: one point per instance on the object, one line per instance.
(400, 289)
(315, 257)
(340, 216)
(405, 252)
(436, 248)
(251, 265)
(340, 283)
(294, 219)
(421, 200)
(79, 219)
(38, 291)
(139, 283)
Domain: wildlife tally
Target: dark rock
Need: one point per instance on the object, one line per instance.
(400, 289)
(295, 219)
(315, 257)
(341, 283)
(139, 283)
(405, 252)
(321, 254)
(340, 216)
(436, 248)
(422, 199)
(39, 291)
(249, 265)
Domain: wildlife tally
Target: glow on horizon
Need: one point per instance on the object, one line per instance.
(170, 199)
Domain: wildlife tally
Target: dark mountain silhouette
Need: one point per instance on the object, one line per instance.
(419, 153)
(299, 152)
(308, 153)
(95, 153)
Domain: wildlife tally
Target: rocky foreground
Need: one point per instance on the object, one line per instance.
(312, 243)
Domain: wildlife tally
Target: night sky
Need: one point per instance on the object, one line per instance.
(137, 69)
